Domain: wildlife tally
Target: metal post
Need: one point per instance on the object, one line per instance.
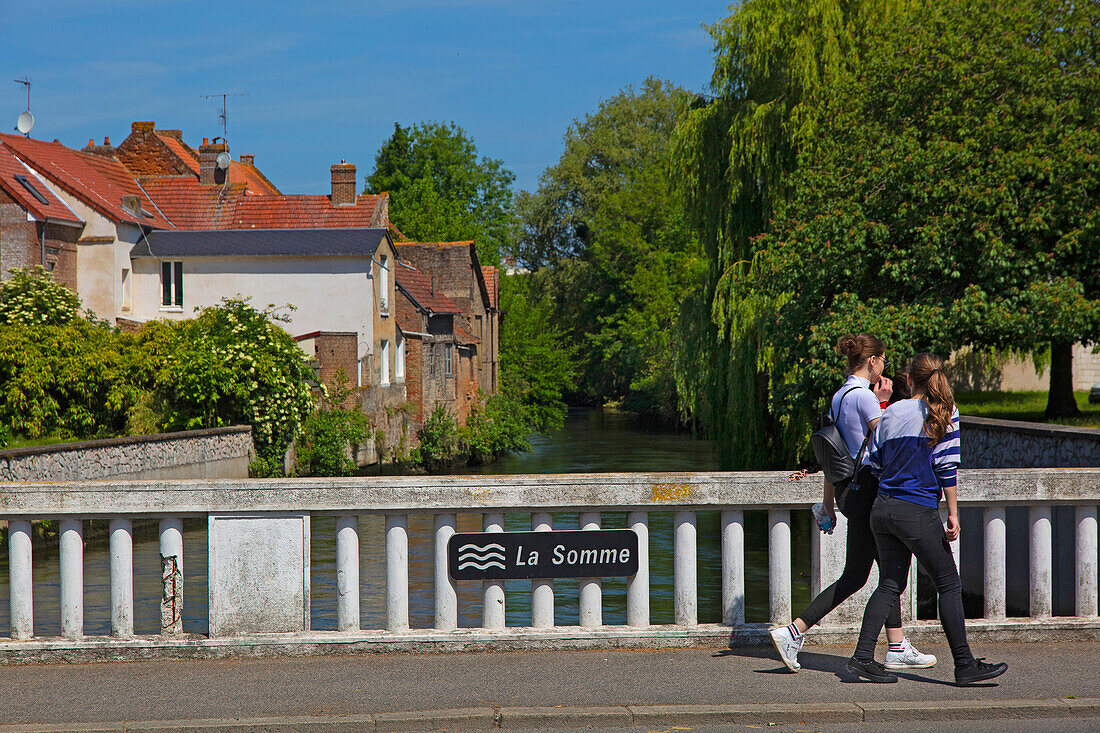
(637, 587)
(542, 591)
(122, 578)
(347, 573)
(733, 567)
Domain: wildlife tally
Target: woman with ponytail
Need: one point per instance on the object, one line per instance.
(855, 408)
(914, 451)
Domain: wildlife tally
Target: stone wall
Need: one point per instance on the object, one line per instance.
(192, 454)
(990, 443)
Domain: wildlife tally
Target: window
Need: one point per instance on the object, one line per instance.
(399, 361)
(383, 285)
(384, 366)
(127, 291)
(448, 369)
(31, 189)
(171, 284)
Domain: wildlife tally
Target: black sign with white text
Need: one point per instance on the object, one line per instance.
(590, 553)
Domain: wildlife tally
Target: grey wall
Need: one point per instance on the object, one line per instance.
(192, 454)
(990, 443)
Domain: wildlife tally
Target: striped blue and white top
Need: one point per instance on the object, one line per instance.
(906, 465)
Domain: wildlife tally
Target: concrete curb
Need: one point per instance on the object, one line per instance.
(512, 718)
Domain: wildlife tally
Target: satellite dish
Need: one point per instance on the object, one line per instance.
(223, 160)
(25, 123)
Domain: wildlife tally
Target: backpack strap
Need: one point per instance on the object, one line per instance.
(840, 405)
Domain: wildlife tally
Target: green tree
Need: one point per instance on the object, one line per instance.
(952, 198)
(607, 229)
(733, 152)
(331, 432)
(441, 191)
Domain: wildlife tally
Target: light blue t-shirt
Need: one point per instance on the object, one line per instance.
(859, 408)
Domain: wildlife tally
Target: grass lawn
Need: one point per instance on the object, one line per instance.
(1027, 406)
(32, 442)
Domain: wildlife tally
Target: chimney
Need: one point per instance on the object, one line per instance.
(106, 150)
(343, 184)
(249, 160)
(209, 172)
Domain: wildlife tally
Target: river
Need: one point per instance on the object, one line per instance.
(591, 441)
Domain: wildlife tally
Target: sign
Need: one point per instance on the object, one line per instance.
(590, 553)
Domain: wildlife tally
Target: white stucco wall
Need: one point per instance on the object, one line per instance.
(330, 293)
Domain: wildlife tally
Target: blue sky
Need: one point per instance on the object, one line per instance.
(326, 81)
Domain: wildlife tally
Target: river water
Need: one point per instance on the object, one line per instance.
(591, 441)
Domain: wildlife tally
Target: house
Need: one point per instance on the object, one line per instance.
(88, 246)
(458, 274)
(338, 280)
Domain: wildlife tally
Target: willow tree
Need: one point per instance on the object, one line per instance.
(734, 152)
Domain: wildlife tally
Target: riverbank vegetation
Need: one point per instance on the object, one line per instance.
(1027, 406)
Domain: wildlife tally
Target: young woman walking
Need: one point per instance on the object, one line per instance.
(915, 453)
(856, 408)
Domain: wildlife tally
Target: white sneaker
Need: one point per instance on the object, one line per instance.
(908, 658)
(787, 647)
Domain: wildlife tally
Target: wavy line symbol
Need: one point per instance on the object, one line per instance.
(481, 556)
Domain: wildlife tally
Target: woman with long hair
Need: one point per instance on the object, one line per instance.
(856, 408)
(914, 451)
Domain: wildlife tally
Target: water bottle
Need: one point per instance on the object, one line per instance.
(824, 521)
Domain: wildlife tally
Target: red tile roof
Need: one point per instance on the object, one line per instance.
(492, 284)
(251, 176)
(54, 208)
(465, 338)
(191, 205)
(418, 286)
(98, 182)
(181, 151)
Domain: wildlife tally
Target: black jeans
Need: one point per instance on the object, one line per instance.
(904, 530)
(860, 553)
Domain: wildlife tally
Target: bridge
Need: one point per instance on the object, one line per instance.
(259, 568)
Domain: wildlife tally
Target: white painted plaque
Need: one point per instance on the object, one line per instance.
(259, 573)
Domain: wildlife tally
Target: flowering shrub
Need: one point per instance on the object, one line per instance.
(30, 296)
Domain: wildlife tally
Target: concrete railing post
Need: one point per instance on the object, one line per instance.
(779, 565)
(995, 566)
(733, 567)
(492, 611)
(1042, 554)
(20, 584)
(122, 578)
(542, 591)
(446, 596)
(684, 569)
(397, 572)
(72, 578)
(347, 573)
(637, 586)
(171, 573)
(591, 590)
(1086, 561)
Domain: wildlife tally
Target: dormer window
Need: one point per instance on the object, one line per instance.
(31, 189)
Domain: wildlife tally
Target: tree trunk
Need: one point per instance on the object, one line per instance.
(1060, 401)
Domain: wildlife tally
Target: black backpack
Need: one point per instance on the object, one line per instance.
(831, 452)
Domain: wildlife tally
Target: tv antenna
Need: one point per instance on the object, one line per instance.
(224, 114)
(26, 119)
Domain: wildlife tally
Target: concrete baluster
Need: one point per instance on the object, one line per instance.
(1086, 561)
(492, 612)
(779, 565)
(171, 566)
(542, 591)
(122, 578)
(591, 589)
(684, 569)
(995, 566)
(446, 596)
(1042, 555)
(72, 578)
(733, 567)
(397, 572)
(20, 585)
(637, 586)
(347, 572)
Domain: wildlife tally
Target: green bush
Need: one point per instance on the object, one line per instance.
(31, 296)
(440, 446)
(331, 433)
(497, 427)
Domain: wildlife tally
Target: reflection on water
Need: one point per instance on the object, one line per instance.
(591, 441)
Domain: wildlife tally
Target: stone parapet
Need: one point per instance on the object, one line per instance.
(988, 443)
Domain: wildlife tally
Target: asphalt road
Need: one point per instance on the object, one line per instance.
(364, 684)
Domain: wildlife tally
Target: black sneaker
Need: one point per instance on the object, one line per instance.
(978, 671)
(872, 670)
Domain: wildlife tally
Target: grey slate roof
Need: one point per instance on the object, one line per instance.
(260, 243)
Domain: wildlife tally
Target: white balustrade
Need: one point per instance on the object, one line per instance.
(1042, 561)
(637, 587)
(591, 590)
(995, 562)
(492, 610)
(779, 565)
(347, 573)
(397, 572)
(733, 567)
(446, 595)
(20, 586)
(542, 590)
(171, 554)
(1085, 555)
(685, 605)
(122, 578)
(72, 578)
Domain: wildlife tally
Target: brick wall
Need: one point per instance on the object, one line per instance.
(21, 245)
(336, 352)
(414, 374)
(144, 153)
